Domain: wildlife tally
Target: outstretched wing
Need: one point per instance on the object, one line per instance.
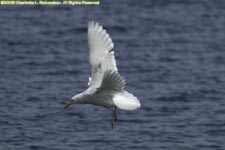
(112, 81)
(101, 56)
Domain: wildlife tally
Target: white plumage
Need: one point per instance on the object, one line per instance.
(106, 85)
(126, 101)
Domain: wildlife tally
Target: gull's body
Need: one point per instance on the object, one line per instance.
(106, 85)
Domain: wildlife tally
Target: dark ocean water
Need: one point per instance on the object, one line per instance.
(171, 52)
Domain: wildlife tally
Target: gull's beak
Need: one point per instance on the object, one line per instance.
(67, 105)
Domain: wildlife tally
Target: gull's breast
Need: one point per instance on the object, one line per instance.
(104, 99)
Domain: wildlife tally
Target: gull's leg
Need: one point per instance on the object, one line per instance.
(114, 117)
(113, 122)
(115, 114)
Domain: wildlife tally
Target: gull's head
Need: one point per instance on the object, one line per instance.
(74, 100)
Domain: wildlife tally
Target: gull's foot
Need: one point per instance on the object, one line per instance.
(114, 118)
(113, 121)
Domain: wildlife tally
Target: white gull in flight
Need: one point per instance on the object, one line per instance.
(106, 85)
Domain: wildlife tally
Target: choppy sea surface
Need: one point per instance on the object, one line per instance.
(171, 52)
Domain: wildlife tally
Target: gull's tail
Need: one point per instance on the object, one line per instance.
(126, 101)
